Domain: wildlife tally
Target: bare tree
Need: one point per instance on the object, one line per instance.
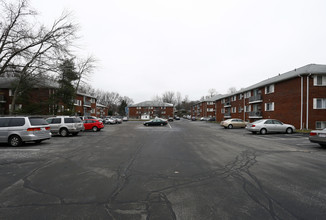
(29, 50)
(169, 97)
(212, 92)
(231, 90)
(84, 68)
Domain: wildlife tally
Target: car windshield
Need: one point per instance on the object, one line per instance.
(38, 121)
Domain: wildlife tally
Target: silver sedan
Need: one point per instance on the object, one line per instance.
(318, 136)
(264, 126)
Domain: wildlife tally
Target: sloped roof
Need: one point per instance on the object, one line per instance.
(314, 69)
(152, 103)
(7, 82)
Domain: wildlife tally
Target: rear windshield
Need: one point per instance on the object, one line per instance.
(38, 121)
(72, 120)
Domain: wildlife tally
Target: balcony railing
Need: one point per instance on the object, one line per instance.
(256, 98)
(87, 103)
(227, 104)
(255, 114)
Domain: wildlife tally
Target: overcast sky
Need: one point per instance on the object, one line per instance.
(147, 47)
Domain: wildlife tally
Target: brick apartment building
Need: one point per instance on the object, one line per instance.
(39, 97)
(150, 109)
(205, 108)
(85, 105)
(296, 97)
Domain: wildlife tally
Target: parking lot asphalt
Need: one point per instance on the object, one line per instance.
(186, 170)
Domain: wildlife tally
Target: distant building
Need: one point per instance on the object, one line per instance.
(39, 97)
(150, 109)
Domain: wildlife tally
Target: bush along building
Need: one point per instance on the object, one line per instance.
(296, 97)
(150, 109)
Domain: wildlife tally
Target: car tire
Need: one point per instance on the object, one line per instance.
(289, 131)
(75, 133)
(63, 132)
(263, 131)
(95, 129)
(15, 141)
(230, 126)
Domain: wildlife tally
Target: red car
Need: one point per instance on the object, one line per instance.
(93, 124)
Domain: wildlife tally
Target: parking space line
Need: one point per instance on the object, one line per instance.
(169, 125)
(21, 149)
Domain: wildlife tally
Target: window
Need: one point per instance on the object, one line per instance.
(93, 111)
(92, 100)
(223, 101)
(17, 106)
(210, 103)
(240, 109)
(247, 95)
(4, 122)
(319, 80)
(319, 103)
(234, 110)
(222, 110)
(320, 124)
(138, 107)
(68, 120)
(240, 96)
(14, 122)
(248, 108)
(37, 121)
(269, 89)
(233, 98)
(210, 109)
(269, 106)
(163, 112)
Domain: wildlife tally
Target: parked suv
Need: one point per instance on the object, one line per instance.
(65, 125)
(17, 130)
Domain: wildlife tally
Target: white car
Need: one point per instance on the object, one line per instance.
(318, 136)
(264, 126)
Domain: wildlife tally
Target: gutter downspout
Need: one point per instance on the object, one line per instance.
(301, 110)
(307, 121)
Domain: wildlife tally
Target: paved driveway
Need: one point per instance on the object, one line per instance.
(188, 170)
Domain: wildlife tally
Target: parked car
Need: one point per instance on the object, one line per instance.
(93, 124)
(318, 136)
(119, 120)
(264, 126)
(156, 122)
(233, 123)
(211, 119)
(170, 119)
(193, 118)
(65, 125)
(176, 117)
(203, 119)
(125, 118)
(17, 130)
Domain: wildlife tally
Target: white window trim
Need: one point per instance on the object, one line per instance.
(272, 107)
(222, 110)
(323, 83)
(323, 100)
(234, 110)
(271, 88)
(322, 124)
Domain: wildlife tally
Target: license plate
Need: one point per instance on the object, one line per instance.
(43, 129)
(322, 135)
